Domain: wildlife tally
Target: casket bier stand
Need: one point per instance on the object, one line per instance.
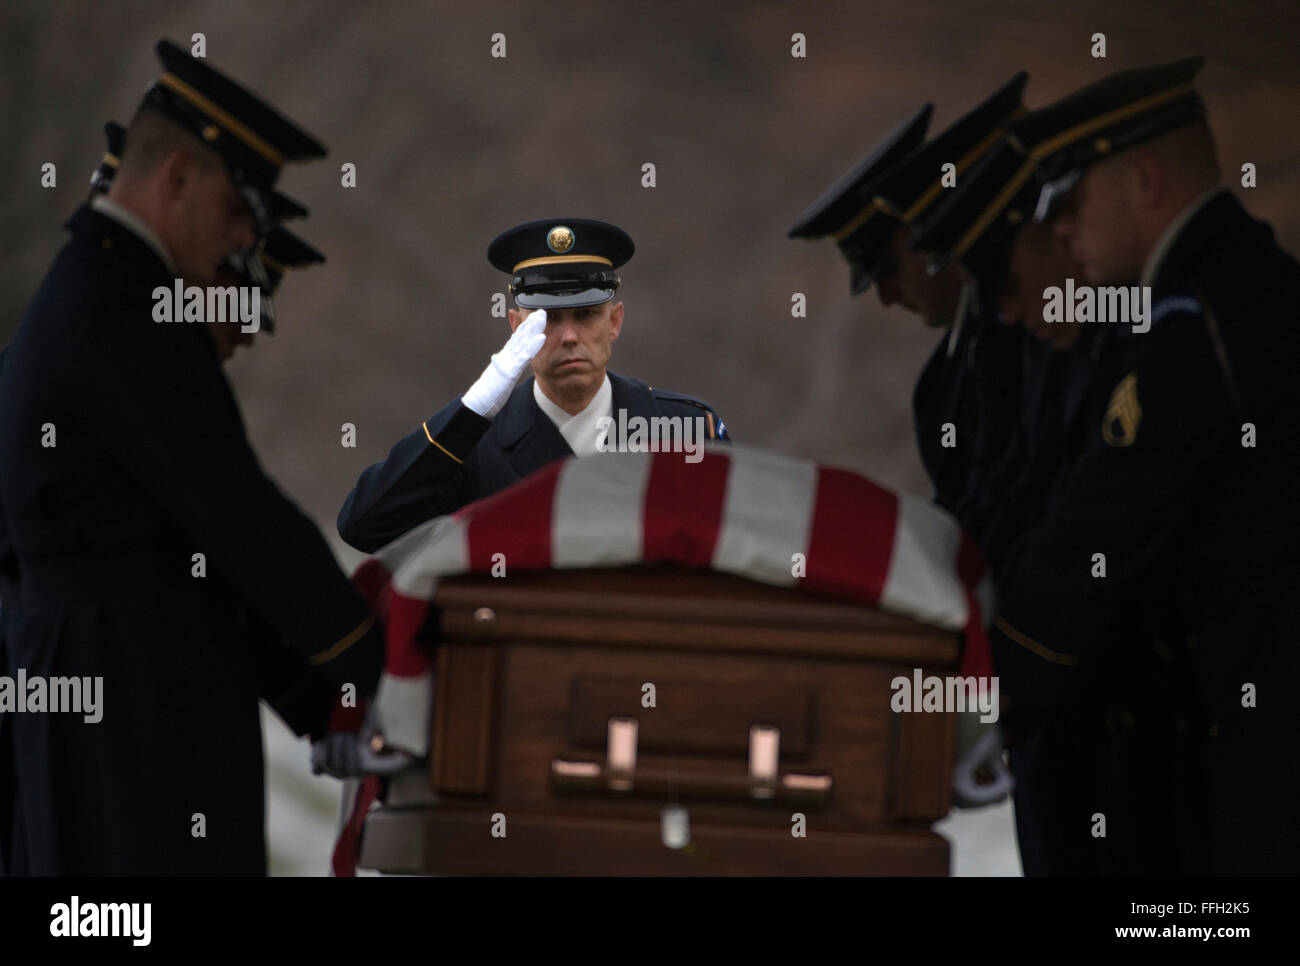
(768, 704)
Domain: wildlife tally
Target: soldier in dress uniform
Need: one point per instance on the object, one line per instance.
(989, 231)
(282, 679)
(100, 179)
(564, 271)
(1184, 483)
(125, 460)
(965, 400)
(987, 227)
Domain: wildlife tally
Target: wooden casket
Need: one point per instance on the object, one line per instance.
(656, 720)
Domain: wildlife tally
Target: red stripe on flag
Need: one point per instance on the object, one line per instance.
(347, 850)
(682, 514)
(515, 522)
(401, 618)
(371, 580)
(977, 655)
(852, 537)
(406, 617)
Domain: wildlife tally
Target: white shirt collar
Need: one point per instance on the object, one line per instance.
(133, 223)
(1172, 231)
(581, 431)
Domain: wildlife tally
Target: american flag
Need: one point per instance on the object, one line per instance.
(740, 510)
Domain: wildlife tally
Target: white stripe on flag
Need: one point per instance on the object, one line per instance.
(922, 580)
(435, 549)
(404, 706)
(767, 515)
(596, 518)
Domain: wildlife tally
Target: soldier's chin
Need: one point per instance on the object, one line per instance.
(571, 370)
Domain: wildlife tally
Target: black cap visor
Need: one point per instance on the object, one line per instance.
(564, 300)
(549, 291)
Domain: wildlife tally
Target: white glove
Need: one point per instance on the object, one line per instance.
(489, 394)
(346, 755)
(980, 776)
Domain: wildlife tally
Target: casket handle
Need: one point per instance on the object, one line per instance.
(620, 773)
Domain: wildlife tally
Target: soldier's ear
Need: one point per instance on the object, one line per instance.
(175, 173)
(516, 317)
(615, 320)
(1151, 177)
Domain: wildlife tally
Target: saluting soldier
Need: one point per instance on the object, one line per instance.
(964, 404)
(147, 537)
(1184, 488)
(565, 271)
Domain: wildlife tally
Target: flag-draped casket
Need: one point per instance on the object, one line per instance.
(632, 663)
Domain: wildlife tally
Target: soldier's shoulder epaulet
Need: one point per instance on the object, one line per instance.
(670, 396)
(717, 429)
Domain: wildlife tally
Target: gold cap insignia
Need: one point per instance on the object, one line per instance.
(560, 239)
(211, 132)
(1102, 145)
(1123, 415)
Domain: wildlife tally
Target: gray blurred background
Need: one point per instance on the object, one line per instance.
(453, 146)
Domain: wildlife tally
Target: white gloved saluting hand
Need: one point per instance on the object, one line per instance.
(490, 392)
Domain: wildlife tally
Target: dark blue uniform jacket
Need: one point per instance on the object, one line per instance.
(149, 466)
(458, 456)
(1186, 483)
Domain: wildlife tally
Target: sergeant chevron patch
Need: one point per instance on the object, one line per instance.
(1123, 415)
